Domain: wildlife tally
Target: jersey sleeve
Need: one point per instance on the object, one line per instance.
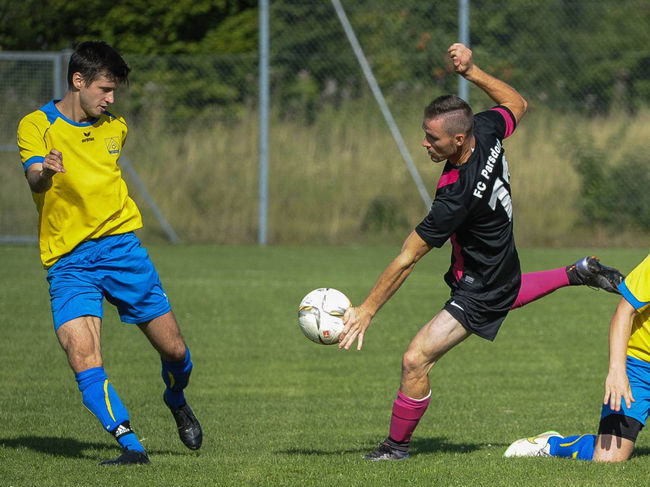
(31, 140)
(635, 288)
(446, 214)
(499, 120)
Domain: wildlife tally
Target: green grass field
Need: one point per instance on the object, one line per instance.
(279, 410)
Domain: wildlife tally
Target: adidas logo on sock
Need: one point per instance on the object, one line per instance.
(121, 430)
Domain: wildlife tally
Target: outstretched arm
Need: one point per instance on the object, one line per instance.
(617, 383)
(357, 319)
(502, 93)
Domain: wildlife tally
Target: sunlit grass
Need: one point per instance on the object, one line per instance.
(279, 410)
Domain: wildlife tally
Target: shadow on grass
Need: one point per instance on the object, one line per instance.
(65, 447)
(319, 452)
(431, 445)
(641, 452)
(60, 447)
(418, 446)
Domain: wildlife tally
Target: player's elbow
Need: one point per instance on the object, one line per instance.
(520, 108)
(524, 106)
(38, 184)
(413, 250)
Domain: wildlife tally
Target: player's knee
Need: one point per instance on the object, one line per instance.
(611, 455)
(413, 362)
(174, 351)
(617, 435)
(83, 359)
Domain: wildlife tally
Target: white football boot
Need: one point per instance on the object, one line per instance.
(533, 446)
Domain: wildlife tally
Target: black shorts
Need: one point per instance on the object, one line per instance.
(482, 313)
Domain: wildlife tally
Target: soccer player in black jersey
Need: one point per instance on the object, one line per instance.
(473, 209)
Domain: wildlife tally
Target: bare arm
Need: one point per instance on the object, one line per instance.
(39, 175)
(357, 319)
(617, 383)
(502, 93)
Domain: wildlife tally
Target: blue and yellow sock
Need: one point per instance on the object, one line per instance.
(101, 399)
(176, 376)
(577, 447)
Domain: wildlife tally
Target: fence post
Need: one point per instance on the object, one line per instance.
(463, 36)
(264, 120)
(61, 73)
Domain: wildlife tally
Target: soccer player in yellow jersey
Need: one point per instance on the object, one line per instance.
(69, 149)
(626, 404)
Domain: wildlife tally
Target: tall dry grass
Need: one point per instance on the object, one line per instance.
(331, 181)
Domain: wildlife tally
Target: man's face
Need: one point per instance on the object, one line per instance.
(96, 97)
(439, 144)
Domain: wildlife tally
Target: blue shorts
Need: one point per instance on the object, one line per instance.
(116, 268)
(638, 373)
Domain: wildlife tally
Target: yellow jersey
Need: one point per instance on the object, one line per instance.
(90, 200)
(636, 290)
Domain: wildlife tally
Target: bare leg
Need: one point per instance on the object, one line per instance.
(437, 337)
(81, 341)
(165, 336)
(610, 448)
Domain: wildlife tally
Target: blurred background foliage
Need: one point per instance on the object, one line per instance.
(585, 45)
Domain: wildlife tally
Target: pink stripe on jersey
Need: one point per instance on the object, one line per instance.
(448, 177)
(458, 259)
(510, 123)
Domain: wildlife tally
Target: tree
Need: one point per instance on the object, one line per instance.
(137, 26)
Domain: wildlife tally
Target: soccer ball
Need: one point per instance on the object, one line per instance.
(320, 315)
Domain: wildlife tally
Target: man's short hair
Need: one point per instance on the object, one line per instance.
(96, 58)
(458, 116)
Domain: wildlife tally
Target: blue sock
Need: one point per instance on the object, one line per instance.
(577, 447)
(176, 376)
(101, 399)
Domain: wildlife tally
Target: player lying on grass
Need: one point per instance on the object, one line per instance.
(473, 209)
(628, 383)
(69, 149)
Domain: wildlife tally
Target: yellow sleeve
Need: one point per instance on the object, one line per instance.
(31, 139)
(636, 286)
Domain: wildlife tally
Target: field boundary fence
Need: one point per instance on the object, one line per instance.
(254, 147)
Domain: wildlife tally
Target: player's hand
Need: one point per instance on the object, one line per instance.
(52, 164)
(356, 321)
(617, 384)
(461, 57)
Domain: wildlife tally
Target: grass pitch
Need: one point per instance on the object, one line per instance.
(279, 410)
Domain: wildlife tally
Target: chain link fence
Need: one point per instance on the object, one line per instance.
(579, 168)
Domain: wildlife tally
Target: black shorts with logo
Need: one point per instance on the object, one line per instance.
(482, 312)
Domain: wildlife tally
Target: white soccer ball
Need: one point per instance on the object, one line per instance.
(320, 315)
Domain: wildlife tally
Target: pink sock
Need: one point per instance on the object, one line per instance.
(406, 416)
(535, 285)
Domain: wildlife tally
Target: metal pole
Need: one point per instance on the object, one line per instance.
(463, 36)
(264, 121)
(63, 61)
(58, 89)
(379, 97)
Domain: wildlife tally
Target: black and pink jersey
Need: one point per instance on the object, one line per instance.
(473, 208)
